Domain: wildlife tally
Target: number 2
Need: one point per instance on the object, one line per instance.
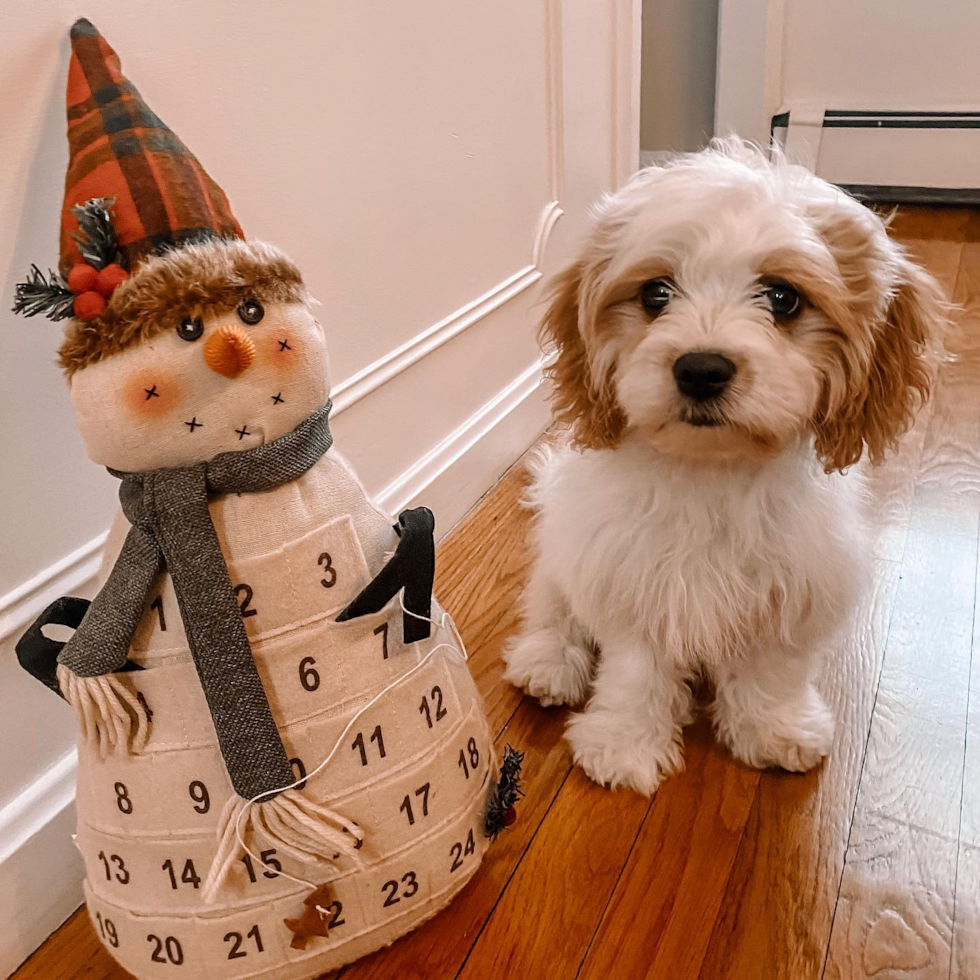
(245, 606)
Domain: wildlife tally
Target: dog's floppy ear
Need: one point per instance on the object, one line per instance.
(893, 376)
(587, 404)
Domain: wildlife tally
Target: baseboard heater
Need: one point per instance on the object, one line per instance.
(895, 156)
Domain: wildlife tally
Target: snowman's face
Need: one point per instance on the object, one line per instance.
(231, 381)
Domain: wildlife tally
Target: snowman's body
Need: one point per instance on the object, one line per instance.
(414, 770)
(196, 365)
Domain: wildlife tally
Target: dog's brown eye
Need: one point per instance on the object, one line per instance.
(784, 300)
(656, 294)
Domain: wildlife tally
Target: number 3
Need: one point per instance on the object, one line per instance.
(330, 573)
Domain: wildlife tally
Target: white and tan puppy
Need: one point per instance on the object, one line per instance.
(734, 334)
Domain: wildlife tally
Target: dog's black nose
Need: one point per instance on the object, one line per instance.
(702, 375)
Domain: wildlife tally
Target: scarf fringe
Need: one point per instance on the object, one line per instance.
(109, 716)
(308, 832)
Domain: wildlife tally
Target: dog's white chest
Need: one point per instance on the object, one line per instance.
(702, 568)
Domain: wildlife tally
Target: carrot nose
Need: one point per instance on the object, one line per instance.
(229, 350)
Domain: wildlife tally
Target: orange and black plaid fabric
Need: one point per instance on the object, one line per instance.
(119, 148)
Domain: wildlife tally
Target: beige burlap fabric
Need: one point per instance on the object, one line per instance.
(413, 770)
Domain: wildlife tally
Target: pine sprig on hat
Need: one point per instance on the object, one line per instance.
(96, 235)
(50, 296)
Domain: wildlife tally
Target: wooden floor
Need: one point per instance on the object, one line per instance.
(869, 867)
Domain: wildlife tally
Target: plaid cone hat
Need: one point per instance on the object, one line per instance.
(119, 148)
(141, 218)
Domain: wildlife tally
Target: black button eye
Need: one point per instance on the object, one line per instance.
(250, 311)
(784, 301)
(656, 294)
(190, 328)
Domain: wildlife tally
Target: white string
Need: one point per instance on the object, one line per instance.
(446, 618)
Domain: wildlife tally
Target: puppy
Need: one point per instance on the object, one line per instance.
(733, 336)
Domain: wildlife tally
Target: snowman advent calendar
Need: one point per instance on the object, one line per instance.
(283, 760)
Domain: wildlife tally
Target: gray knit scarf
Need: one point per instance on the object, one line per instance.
(172, 529)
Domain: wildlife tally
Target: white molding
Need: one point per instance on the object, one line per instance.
(40, 869)
(22, 605)
(351, 390)
(37, 805)
(624, 90)
(409, 486)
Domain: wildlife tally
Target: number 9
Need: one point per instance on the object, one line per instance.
(199, 794)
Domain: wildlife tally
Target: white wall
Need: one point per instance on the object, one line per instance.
(839, 54)
(426, 164)
(677, 96)
(880, 54)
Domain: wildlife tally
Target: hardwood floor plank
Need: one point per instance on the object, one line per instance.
(481, 570)
(966, 909)
(543, 923)
(659, 921)
(929, 223)
(966, 930)
(896, 904)
(72, 953)
(794, 843)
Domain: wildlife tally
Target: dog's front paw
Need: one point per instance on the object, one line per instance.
(614, 753)
(549, 667)
(794, 737)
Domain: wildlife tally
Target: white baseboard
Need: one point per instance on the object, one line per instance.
(40, 870)
(933, 149)
(452, 476)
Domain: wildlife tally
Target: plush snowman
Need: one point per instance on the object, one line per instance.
(283, 761)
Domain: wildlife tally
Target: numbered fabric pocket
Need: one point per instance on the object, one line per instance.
(153, 875)
(155, 793)
(324, 667)
(411, 804)
(296, 583)
(152, 947)
(386, 735)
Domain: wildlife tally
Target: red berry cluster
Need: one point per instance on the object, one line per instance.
(93, 287)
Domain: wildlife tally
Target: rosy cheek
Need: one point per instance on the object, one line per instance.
(282, 351)
(150, 393)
